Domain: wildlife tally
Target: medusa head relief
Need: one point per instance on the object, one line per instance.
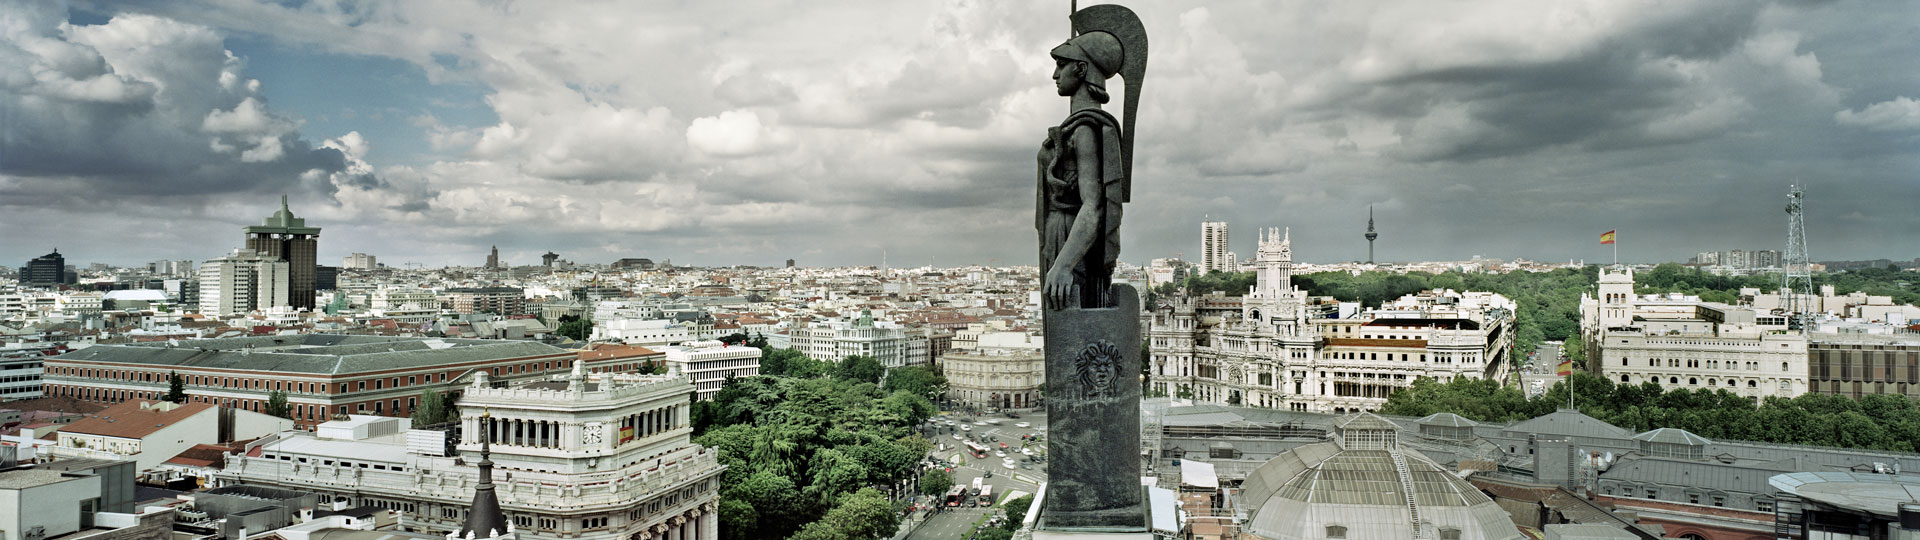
(1098, 369)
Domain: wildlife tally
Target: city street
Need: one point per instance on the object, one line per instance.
(955, 523)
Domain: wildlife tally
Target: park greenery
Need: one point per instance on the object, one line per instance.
(1875, 422)
(818, 450)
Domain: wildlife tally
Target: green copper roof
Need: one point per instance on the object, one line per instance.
(284, 222)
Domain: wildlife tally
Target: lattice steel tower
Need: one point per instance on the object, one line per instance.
(1797, 283)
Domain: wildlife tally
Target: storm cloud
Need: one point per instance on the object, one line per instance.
(831, 132)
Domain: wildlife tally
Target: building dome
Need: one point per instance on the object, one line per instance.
(1354, 487)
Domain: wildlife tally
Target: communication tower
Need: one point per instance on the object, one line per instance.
(1797, 283)
(1370, 234)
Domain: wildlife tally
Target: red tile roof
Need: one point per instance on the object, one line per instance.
(135, 419)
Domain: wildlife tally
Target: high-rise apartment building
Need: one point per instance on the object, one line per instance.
(359, 261)
(287, 238)
(244, 281)
(1215, 251)
(47, 270)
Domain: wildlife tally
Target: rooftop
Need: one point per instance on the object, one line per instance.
(313, 353)
(135, 419)
(30, 478)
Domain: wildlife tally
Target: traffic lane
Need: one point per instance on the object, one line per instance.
(950, 524)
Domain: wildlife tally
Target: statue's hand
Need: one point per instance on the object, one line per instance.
(1059, 290)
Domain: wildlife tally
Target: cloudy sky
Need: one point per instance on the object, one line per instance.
(831, 132)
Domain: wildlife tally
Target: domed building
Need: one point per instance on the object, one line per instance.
(1364, 485)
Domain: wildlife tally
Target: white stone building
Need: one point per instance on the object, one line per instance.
(1683, 342)
(997, 370)
(1268, 349)
(243, 281)
(593, 456)
(836, 340)
(710, 363)
(645, 333)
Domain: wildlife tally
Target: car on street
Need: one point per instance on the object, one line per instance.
(1000, 453)
(994, 421)
(979, 422)
(1026, 466)
(966, 428)
(1023, 425)
(1008, 464)
(1003, 445)
(1027, 451)
(957, 436)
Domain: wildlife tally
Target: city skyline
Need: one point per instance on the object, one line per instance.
(600, 136)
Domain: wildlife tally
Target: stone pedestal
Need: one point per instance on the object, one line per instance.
(1093, 416)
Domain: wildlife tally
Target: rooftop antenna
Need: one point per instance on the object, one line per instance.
(1797, 283)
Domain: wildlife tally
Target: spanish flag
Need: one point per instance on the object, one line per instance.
(1565, 369)
(1606, 238)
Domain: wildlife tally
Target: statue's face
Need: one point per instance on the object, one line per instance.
(1102, 374)
(1066, 76)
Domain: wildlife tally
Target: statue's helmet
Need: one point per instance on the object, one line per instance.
(1098, 49)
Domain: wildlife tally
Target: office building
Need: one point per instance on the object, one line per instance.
(150, 432)
(710, 363)
(288, 239)
(493, 257)
(1215, 250)
(244, 281)
(589, 456)
(495, 300)
(359, 261)
(47, 271)
(1855, 365)
(1680, 341)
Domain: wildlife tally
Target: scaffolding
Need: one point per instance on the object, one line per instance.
(1153, 412)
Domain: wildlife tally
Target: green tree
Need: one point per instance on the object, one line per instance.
(860, 368)
(579, 328)
(277, 405)
(935, 481)
(921, 381)
(176, 387)
(1016, 510)
(864, 515)
(432, 409)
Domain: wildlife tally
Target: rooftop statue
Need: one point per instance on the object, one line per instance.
(1086, 163)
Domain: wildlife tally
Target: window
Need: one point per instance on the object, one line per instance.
(1336, 531)
(1449, 533)
(1763, 506)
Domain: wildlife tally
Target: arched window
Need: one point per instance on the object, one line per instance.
(1693, 381)
(1673, 380)
(1623, 378)
(1752, 384)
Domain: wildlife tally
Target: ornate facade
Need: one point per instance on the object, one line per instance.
(599, 456)
(1277, 348)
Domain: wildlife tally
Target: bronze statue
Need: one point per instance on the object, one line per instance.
(1086, 163)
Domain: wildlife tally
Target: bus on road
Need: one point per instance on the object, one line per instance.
(986, 495)
(956, 495)
(977, 450)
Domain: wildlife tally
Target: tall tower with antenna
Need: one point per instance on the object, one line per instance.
(1370, 234)
(1797, 283)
